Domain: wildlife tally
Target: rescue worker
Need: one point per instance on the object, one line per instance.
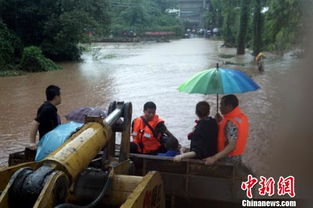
(232, 133)
(47, 117)
(148, 131)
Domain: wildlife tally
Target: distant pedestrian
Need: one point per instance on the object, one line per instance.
(259, 61)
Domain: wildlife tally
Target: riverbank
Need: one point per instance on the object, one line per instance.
(31, 60)
(227, 57)
(136, 39)
(11, 73)
(16, 72)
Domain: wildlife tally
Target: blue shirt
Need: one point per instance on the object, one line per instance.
(169, 153)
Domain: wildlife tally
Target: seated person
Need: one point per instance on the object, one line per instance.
(147, 131)
(204, 137)
(171, 146)
(233, 132)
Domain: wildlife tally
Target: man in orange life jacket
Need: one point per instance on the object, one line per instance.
(233, 132)
(147, 131)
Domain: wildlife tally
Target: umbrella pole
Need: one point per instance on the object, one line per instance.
(217, 66)
(217, 102)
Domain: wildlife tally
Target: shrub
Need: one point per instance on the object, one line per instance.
(33, 60)
(9, 46)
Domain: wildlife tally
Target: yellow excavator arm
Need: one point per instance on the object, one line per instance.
(62, 178)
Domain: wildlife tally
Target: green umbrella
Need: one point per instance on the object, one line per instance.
(218, 81)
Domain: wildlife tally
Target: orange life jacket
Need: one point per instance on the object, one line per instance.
(241, 121)
(143, 136)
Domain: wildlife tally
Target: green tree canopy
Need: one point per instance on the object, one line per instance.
(140, 16)
(52, 23)
(283, 24)
(10, 46)
(278, 29)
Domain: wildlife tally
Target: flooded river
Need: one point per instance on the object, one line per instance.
(140, 72)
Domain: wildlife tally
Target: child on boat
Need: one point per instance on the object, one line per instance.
(204, 136)
(171, 146)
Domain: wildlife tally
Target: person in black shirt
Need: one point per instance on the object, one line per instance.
(47, 117)
(204, 137)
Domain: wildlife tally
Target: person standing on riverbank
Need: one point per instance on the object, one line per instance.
(47, 117)
(233, 132)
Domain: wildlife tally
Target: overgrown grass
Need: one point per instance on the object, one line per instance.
(223, 55)
(110, 56)
(34, 61)
(9, 73)
(233, 63)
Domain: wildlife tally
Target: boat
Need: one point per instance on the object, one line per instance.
(138, 180)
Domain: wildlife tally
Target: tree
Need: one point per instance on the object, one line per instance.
(141, 16)
(10, 46)
(224, 14)
(165, 4)
(257, 28)
(56, 25)
(279, 29)
(284, 24)
(64, 33)
(230, 28)
(243, 27)
(33, 60)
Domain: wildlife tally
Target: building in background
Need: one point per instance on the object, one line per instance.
(193, 11)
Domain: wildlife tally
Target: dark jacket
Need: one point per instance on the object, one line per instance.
(204, 138)
(47, 117)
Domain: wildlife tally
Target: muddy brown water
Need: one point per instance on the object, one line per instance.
(140, 72)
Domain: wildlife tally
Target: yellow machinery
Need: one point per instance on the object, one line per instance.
(84, 171)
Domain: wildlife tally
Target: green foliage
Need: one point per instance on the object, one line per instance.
(283, 24)
(141, 16)
(64, 33)
(257, 28)
(97, 12)
(11, 72)
(6, 48)
(33, 60)
(165, 4)
(279, 29)
(9, 46)
(230, 28)
(244, 18)
(224, 14)
(135, 17)
(56, 25)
